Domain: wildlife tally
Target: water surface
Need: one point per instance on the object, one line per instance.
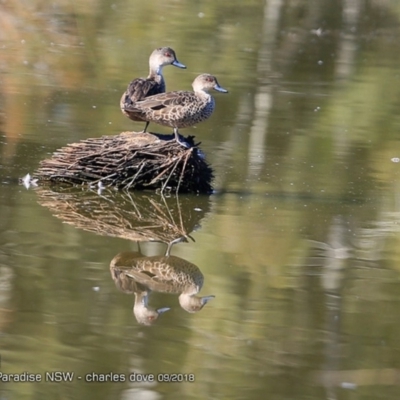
(298, 244)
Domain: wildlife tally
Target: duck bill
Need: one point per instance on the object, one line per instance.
(220, 89)
(162, 310)
(176, 63)
(206, 299)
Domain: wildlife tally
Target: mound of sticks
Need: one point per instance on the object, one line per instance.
(130, 161)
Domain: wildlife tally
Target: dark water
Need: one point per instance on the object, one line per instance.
(299, 244)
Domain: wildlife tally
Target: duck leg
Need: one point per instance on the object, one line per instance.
(178, 139)
(145, 127)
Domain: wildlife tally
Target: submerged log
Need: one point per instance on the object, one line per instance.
(130, 161)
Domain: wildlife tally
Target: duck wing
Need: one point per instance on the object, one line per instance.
(139, 89)
(150, 280)
(167, 100)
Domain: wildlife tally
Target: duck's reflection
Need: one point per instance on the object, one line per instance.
(144, 314)
(134, 273)
(139, 217)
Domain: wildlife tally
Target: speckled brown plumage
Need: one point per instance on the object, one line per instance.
(144, 313)
(179, 109)
(140, 88)
(168, 274)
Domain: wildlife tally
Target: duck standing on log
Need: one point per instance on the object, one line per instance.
(179, 109)
(140, 88)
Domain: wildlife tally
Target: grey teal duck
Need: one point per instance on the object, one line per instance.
(179, 109)
(144, 314)
(166, 274)
(141, 88)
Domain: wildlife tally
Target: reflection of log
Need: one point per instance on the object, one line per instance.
(130, 161)
(137, 217)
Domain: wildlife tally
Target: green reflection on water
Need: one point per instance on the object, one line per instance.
(301, 244)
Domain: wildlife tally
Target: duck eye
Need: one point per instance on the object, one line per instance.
(167, 54)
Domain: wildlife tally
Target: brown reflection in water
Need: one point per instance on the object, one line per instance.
(144, 314)
(43, 50)
(138, 217)
(134, 273)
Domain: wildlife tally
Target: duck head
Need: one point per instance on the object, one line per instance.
(163, 56)
(206, 82)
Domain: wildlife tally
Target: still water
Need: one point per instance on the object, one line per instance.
(299, 244)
